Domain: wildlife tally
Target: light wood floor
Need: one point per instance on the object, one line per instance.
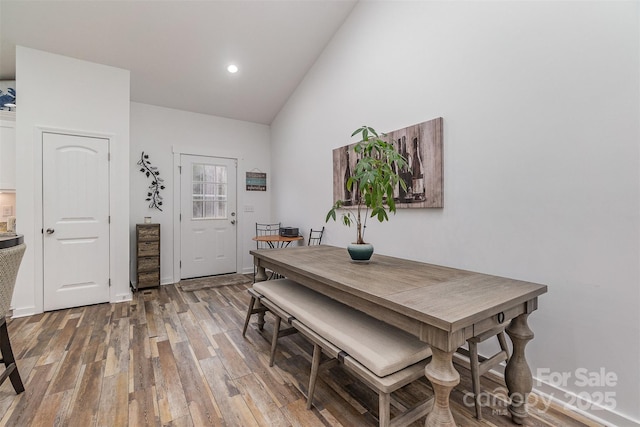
(176, 358)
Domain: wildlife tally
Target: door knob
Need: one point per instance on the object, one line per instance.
(50, 230)
(233, 222)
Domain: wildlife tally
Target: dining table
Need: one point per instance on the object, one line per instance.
(442, 306)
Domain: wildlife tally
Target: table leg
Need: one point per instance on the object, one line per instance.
(444, 378)
(261, 274)
(518, 374)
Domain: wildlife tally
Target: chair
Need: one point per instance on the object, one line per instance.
(10, 259)
(266, 230)
(315, 237)
(480, 365)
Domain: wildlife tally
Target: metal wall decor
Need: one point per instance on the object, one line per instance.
(153, 196)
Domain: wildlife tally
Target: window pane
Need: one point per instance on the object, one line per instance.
(208, 210)
(198, 172)
(221, 209)
(209, 173)
(197, 209)
(221, 175)
(209, 197)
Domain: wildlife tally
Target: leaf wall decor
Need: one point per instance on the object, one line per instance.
(153, 195)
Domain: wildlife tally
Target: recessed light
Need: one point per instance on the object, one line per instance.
(232, 69)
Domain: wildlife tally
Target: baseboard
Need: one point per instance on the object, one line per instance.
(575, 403)
(122, 297)
(24, 311)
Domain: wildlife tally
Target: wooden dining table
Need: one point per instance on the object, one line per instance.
(442, 306)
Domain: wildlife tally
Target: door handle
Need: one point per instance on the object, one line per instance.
(233, 222)
(50, 230)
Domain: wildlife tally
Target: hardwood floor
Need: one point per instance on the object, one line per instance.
(176, 358)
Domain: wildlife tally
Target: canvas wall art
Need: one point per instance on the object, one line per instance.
(421, 145)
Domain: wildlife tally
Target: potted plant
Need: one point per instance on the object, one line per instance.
(372, 185)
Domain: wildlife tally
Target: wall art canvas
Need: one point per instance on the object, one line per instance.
(421, 145)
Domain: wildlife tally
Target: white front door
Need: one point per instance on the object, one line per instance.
(208, 216)
(75, 184)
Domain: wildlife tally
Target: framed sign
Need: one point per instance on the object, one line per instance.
(256, 181)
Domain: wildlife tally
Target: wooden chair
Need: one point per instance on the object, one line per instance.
(315, 237)
(479, 365)
(10, 259)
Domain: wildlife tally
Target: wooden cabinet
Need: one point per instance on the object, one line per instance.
(148, 255)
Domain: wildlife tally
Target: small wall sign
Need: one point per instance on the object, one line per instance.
(256, 181)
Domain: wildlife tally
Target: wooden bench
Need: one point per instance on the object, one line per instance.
(382, 356)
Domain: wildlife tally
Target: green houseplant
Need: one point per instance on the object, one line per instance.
(372, 185)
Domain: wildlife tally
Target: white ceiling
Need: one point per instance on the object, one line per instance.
(178, 50)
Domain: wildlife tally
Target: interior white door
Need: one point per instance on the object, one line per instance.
(75, 176)
(208, 216)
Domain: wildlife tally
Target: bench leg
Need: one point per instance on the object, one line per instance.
(249, 313)
(384, 409)
(274, 340)
(315, 367)
(259, 310)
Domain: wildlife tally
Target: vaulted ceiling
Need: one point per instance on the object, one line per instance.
(178, 50)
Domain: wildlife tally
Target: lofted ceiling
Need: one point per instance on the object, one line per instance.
(178, 50)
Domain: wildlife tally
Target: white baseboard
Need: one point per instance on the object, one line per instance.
(122, 297)
(24, 311)
(575, 403)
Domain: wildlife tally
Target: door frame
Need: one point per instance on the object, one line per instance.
(38, 227)
(199, 151)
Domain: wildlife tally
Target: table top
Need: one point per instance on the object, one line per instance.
(276, 238)
(8, 240)
(447, 298)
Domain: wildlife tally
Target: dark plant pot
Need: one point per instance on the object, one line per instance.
(360, 252)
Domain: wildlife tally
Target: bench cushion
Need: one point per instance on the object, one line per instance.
(381, 348)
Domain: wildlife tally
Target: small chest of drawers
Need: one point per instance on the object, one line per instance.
(148, 255)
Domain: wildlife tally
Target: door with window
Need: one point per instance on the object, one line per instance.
(208, 216)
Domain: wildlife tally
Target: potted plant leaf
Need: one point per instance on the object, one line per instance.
(371, 184)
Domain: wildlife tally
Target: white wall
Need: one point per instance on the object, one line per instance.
(540, 107)
(58, 92)
(159, 132)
